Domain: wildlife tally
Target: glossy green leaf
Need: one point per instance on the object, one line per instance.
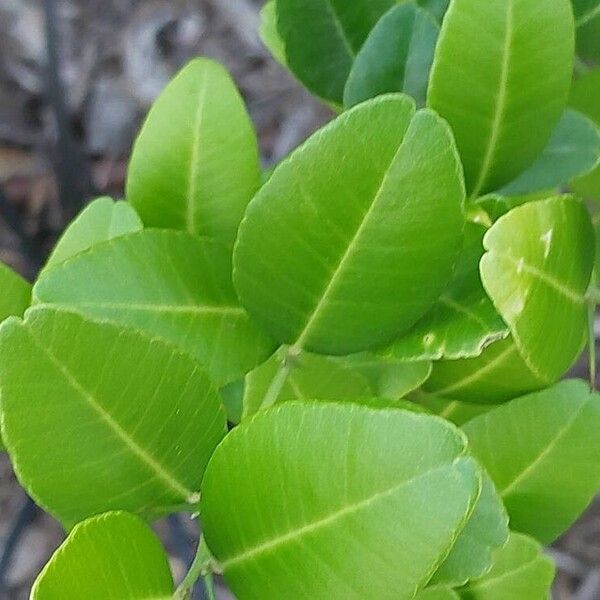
(585, 10)
(169, 284)
(494, 61)
(388, 377)
(573, 151)
(437, 593)
(396, 57)
(114, 556)
(15, 293)
(334, 492)
(103, 219)
(463, 321)
(322, 38)
(332, 243)
(455, 411)
(195, 163)
(543, 453)
(97, 418)
(269, 33)
(536, 271)
(520, 571)
(307, 377)
(585, 97)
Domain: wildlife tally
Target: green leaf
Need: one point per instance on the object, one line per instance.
(536, 271)
(487, 530)
(437, 593)
(388, 377)
(396, 57)
(494, 61)
(322, 38)
(543, 453)
(195, 163)
(358, 206)
(15, 295)
(455, 411)
(588, 42)
(269, 33)
(520, 571)
(585, 97)
(499, 374)
(97, 418)
(168, 284)
(103, 219)
(437, 8)
(334, 492)
(114, 556)
(497, 206)
(585, 10)
(463, 321)
(573, 151)
(307, 377)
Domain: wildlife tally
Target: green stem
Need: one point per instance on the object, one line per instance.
(201, 567)
(278, 381)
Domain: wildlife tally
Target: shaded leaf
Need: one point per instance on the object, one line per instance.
(396, 56)
(103, 219)
(15, 294)
(494, 61)
(108, 557)
(497, 206)
(121, 421)
(573, 151)
(350, 491)
(307, 377)
(520, 571)
(322, 37)
(455, 411)
(543, 453)
(585, 10)
(169, 284)
(463, 321)
(437, 8)
(195, 164)
(357, 205)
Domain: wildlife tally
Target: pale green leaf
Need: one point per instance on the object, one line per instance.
(333, 242)
(269, 33)
(305, 377)
(169, 284)
(585, 10)
(494, 61)
(322, 37)
(355, 502)
(15, 293)
(520, 571)
(437, 593)
(195, 163)
(543, 453)
(114, 556)
(463, 321)
(536, 271)
(585, 97)
(396, 57)
(97, 418)
(455, 411)
(573, 151)
(103, 219)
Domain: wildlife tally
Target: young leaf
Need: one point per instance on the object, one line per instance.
(111, 556)
(322, 37)
(308, 377)
(195, 163)
(494, 61)
(396, 57)
(388, 377)
(585, 10)
(103, 219)
(97, 418)
(520, 571)
(169, 284)
(358, 206)
(15, 294)
(573, 151)
(463, 321)
(334, 492)
(585, 97)
(536, 271)
(543, 453)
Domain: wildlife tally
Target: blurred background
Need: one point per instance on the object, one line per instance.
(76, 79)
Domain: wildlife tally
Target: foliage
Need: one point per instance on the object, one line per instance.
(383, 321)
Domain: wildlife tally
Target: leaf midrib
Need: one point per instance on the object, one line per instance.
(138, 451)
